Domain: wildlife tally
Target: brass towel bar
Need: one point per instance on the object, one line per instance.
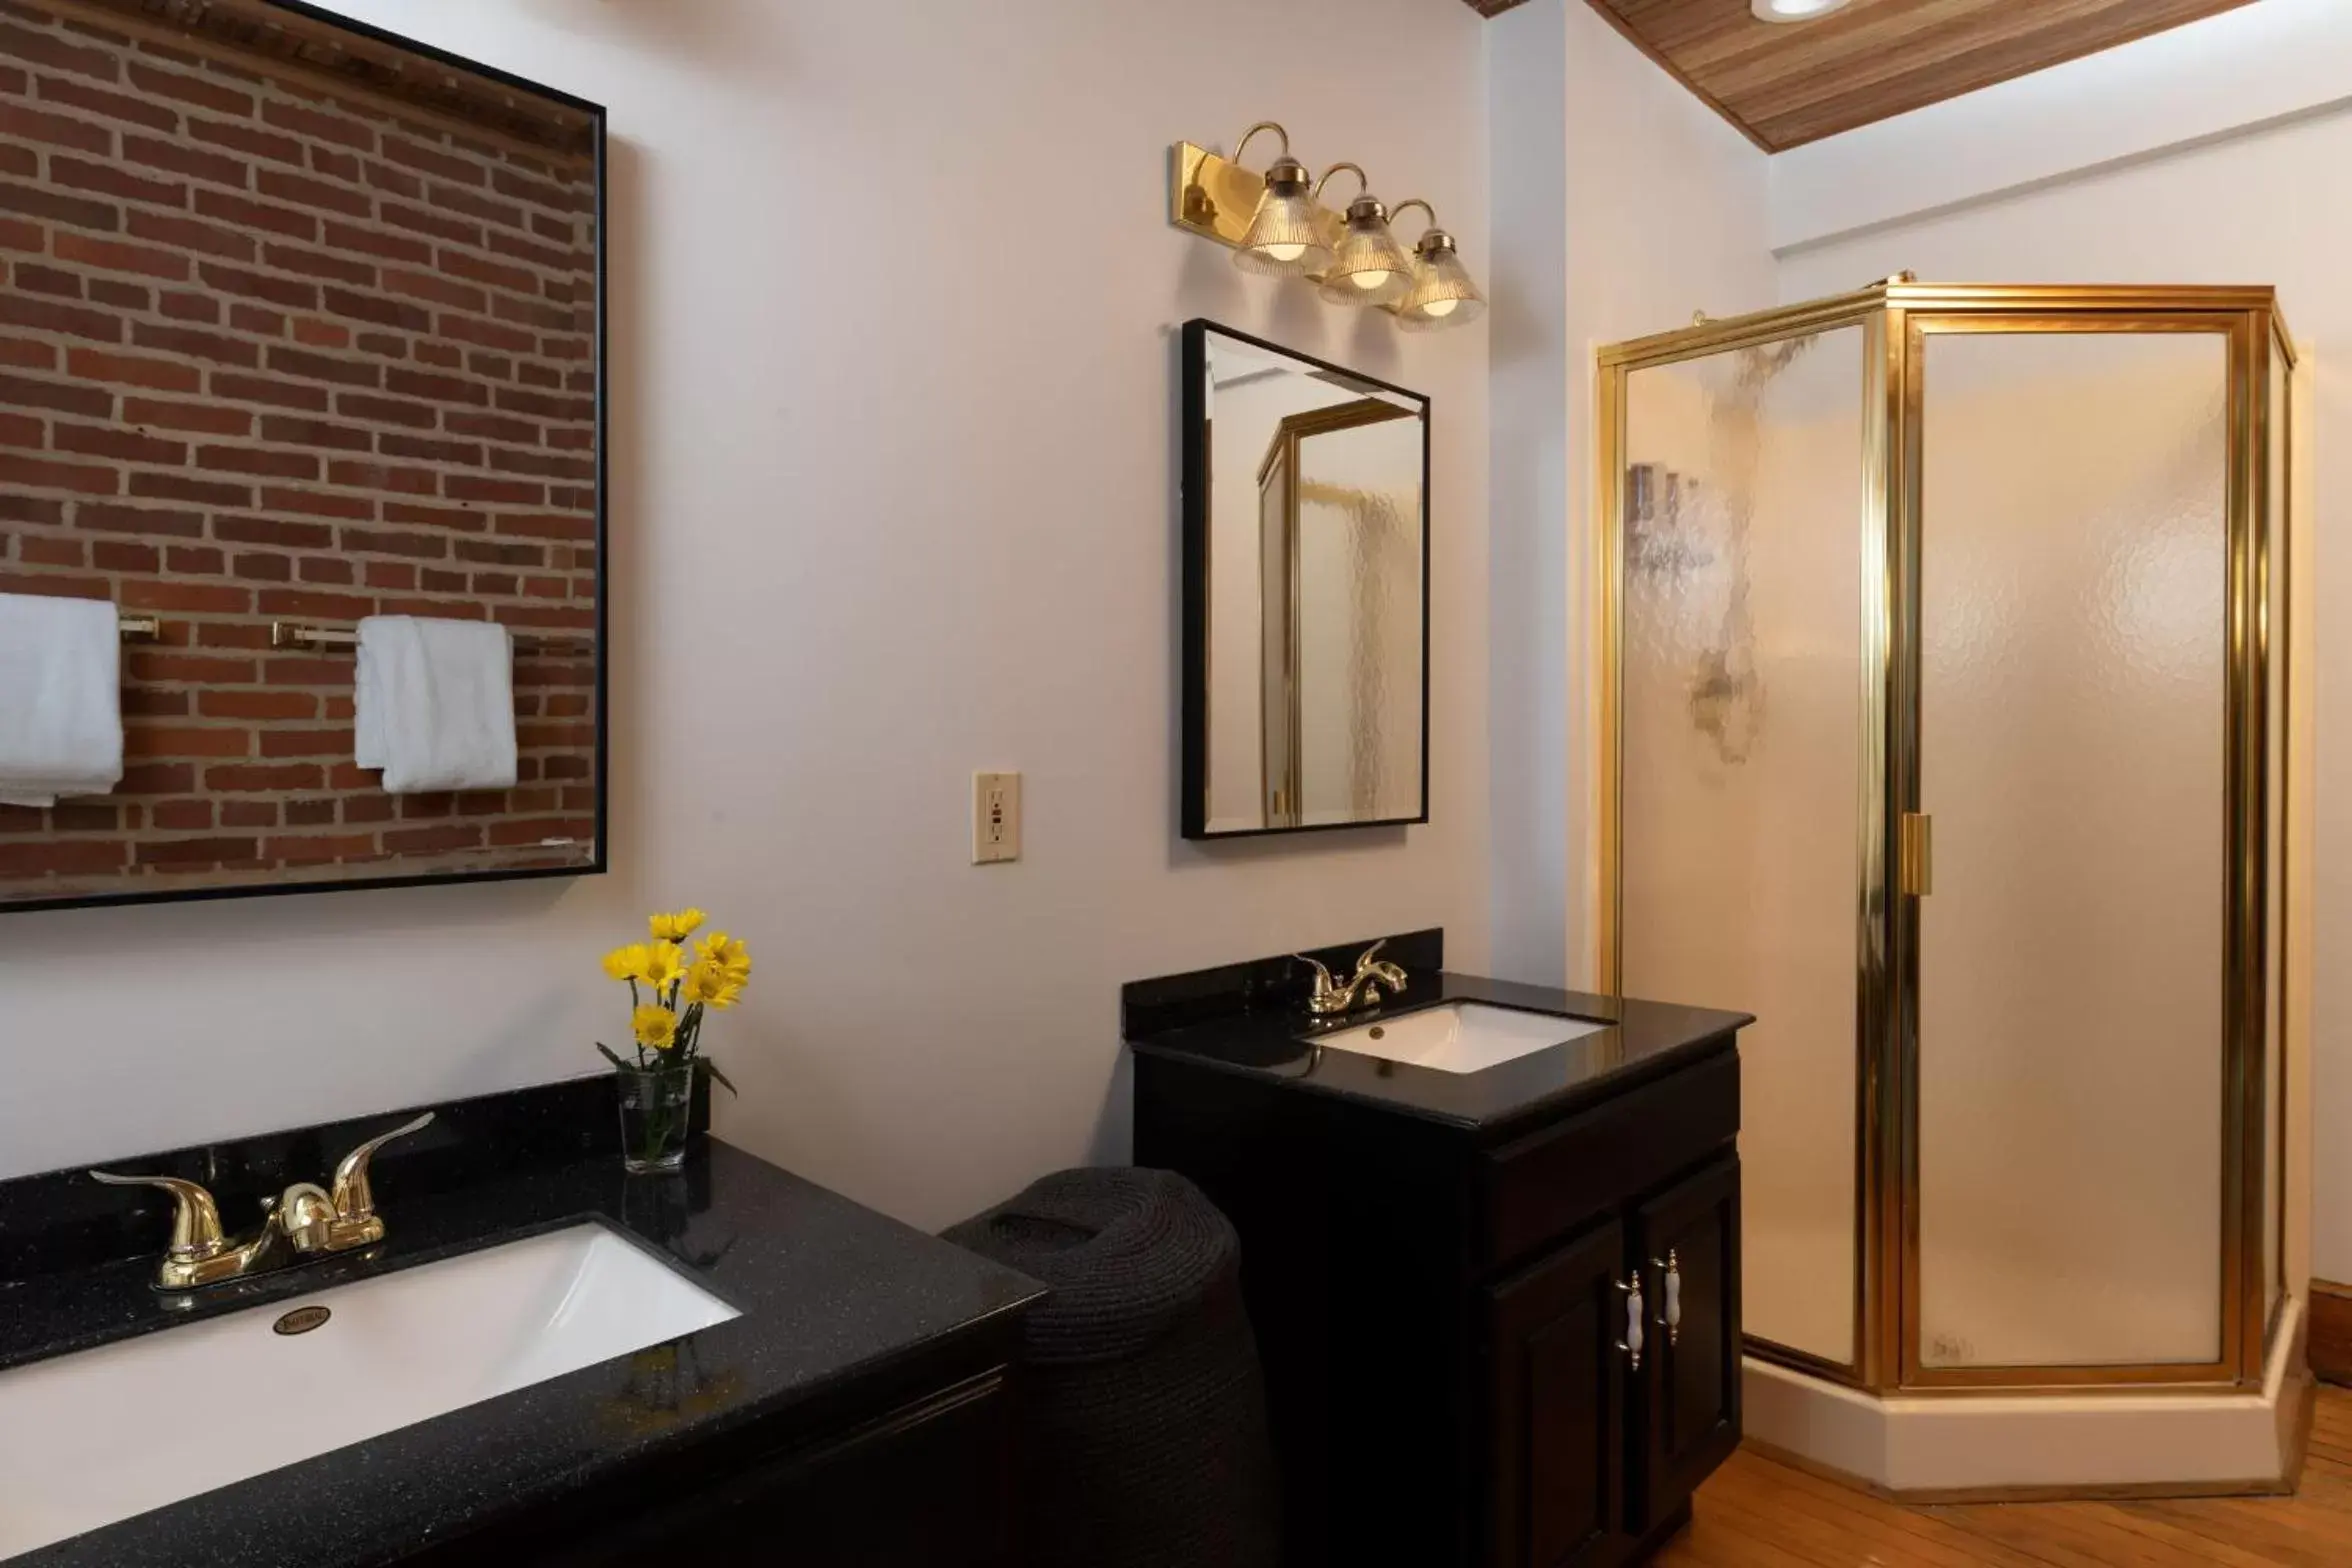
(293, 634)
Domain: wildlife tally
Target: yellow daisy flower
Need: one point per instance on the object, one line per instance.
(727, 953)
(629, 963)
(655, 1027)
(677, 927)
(712, 985)
(663, 966)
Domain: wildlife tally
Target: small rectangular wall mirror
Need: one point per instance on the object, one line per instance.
(1306, 592)
(301, 341)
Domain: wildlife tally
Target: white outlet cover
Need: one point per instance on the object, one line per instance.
(996, 818)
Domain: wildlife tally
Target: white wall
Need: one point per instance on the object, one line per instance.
(1621, 205)
(2261, 205)
(894, 437)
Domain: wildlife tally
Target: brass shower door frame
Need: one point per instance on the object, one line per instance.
(2277, 644)
(1898, 318)
(1286, 452)
(1865, 309)
(2240, 322)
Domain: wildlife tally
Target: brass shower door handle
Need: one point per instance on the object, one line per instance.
(1916, 872)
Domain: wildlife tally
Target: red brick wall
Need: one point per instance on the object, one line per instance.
(277, 352)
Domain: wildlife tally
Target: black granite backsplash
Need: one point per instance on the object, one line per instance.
(1277, 984)
(62, 1220)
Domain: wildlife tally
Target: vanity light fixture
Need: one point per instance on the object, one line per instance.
(1368, 266)
(1284, 238)
(1794, 10)
(1276, 226)
(1442, 294)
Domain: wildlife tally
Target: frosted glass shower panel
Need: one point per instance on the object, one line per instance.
(2073, 666)
(1741, 767)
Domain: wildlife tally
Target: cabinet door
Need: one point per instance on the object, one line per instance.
(1686, 1412)
(1556, 1391)
(926, 1486)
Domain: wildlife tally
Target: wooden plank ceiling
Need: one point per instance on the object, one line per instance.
(1789, 83)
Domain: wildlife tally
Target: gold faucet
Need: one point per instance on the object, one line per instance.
(306, 1221)
(1329, 998)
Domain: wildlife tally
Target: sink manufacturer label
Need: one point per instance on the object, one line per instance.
(302, 1320)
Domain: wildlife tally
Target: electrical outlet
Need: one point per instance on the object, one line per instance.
(996, 818)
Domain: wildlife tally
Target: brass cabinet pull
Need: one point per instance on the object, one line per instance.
(1631, 1344)
(1917, 870)
(1671, 1271)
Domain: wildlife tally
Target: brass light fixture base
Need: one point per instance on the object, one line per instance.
(1214, 197)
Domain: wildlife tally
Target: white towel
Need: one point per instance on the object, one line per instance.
(60, 698)
(435, 704)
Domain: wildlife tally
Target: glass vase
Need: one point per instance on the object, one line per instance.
(656, 1106)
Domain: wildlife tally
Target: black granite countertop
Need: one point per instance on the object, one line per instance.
(827, 1290)
(1271, 1039)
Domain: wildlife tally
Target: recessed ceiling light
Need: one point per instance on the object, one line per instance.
(1794, 10)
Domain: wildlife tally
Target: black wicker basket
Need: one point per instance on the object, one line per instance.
(1144, 1441)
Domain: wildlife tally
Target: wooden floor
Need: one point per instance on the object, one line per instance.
(1757, 1514)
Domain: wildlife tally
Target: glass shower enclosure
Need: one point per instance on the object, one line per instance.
(1943, 693)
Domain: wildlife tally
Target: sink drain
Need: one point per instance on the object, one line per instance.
(301, 1320)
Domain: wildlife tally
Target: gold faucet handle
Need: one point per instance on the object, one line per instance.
(1325, 986)
(1364, 959)
(196, 1228)
(351, 1197)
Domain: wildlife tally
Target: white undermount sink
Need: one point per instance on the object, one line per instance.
(98, 1436)
(1461, 1037)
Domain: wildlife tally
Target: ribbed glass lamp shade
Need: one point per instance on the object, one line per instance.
(1443, 295)
(1282, 241)
(1368, 267)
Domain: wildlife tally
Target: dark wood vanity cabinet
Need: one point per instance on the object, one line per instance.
(1556, 1388)
(1687, 1419)
(1443, 1312)
(928, 1485)
(1592, 1449)
(911, 1467)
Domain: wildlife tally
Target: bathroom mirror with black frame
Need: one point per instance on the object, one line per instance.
(302, 557)
(1306, 592)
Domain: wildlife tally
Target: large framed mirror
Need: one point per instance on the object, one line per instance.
(302, 459)
(1306, 592)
